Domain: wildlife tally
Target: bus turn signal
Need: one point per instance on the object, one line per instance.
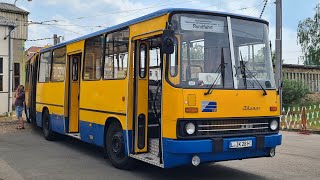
(273, 108)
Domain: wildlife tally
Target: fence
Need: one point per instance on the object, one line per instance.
(309, 75)
(300, 118)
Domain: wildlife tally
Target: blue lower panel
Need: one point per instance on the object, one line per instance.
(126, 140)
(180, 152)
(57, 123)
(92, 133)
(39, 119)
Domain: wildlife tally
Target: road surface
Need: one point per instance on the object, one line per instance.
(26, 155)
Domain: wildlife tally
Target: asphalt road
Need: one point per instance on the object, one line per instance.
(26, 155)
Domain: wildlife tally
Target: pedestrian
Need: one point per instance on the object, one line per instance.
(19, 95)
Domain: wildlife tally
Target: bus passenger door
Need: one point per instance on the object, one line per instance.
(73, 92)
(141, 69)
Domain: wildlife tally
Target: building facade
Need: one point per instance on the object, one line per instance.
(309, 75)
(14, 20)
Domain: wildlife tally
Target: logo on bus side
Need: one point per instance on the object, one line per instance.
(209, 106)
(250, 108)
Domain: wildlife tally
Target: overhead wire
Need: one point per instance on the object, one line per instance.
(257, 7)
(264, 7)
(41, 39)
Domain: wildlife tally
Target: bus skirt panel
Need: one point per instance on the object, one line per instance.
(180, 152)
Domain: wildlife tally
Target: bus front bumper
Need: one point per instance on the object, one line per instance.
(180, 152)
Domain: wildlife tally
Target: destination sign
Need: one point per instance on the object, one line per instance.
(204, 25)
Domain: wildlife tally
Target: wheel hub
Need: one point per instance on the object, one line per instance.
(117, 145)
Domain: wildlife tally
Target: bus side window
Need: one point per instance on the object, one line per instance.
(58, 64)
(93, 58)
(116, 55)
(45, 67)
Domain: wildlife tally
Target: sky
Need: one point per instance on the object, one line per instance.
(74, 18)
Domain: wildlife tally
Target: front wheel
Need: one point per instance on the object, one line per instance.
(47, 132)
(115, 147)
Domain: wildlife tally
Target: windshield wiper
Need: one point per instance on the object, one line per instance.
(244, 69)
(257, 81)
(221, 71)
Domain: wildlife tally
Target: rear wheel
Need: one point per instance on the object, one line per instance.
(47, 132)
(115, 147)
(27, 112)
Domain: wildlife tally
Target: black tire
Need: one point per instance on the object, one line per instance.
(46, 129)
(27, 112)
(115, 147)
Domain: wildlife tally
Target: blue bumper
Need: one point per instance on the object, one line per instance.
(180, 152)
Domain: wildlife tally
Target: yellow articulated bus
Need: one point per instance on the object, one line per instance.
(172, 88)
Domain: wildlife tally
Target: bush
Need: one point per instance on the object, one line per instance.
(293, 93)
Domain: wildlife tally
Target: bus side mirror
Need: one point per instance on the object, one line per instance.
(168, 41)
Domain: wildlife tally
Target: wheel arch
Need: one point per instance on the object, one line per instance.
(108, 122)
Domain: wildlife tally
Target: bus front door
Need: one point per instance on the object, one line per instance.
(141, 70)
(73, 92)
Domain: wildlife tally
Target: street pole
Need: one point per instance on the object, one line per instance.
(278, 66)
(10, 79)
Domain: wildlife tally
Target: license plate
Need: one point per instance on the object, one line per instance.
(240, 144)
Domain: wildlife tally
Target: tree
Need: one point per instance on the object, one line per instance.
(293, 92)
(309, 39)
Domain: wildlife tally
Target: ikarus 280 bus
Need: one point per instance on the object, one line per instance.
(171, 88)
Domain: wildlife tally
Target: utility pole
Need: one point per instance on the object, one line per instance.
(55, 39)
(10, 67)
(278, 67)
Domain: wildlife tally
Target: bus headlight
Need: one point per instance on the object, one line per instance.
(274, 125)
(190, 128)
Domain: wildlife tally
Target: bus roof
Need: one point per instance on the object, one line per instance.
(147, 17)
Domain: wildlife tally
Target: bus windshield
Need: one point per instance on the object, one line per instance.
(205, 53)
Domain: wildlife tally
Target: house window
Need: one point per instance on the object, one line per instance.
(16, 75)
(1, 74)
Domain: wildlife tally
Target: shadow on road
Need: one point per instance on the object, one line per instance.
(146, 171)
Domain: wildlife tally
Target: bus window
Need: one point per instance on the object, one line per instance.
(143, 60)
(116, 58)
(27, 72)
(93, 58)
(75, 71)
(58, 64)
(173, 61)
(45, 67)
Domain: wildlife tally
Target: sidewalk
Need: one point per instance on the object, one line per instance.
(9, 124)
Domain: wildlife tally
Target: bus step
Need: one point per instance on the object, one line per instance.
(153, 146)
(148, 158)
(74, 135)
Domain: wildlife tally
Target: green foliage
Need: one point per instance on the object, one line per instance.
(294, 93)
(309, 39)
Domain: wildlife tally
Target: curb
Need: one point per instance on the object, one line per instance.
(299, 130)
